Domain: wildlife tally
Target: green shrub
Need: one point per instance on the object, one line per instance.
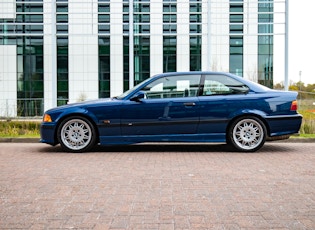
(19, 128)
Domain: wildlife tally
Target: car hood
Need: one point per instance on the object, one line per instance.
(84, 104)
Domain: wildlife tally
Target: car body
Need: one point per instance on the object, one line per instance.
(178, 107)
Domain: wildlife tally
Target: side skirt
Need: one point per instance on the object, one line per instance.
(125, 140)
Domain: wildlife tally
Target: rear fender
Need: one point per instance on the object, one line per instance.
(249, 112)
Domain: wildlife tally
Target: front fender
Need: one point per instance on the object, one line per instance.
(76, 112)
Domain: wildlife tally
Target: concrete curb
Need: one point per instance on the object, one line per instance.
(19, 140)
(36, 140)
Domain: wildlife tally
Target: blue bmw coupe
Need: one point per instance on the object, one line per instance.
(178, 107)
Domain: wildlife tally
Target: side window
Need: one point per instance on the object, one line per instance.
(222, 85)
(173, 87)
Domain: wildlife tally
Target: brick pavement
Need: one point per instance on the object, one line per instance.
(157, 187)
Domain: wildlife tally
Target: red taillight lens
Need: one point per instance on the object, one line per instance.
(294, 105)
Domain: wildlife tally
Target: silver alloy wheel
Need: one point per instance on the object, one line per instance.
(248, 134)
(76, 134)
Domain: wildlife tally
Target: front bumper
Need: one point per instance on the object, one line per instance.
(47, 133)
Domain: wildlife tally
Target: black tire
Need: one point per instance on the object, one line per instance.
(247, 134)
(76, 134)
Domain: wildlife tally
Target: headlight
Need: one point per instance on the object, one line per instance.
(47, 118)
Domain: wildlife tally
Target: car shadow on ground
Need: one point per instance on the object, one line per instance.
(174, 147)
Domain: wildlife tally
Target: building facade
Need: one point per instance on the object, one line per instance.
(54, 52)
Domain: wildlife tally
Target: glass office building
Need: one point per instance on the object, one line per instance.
(54, 52)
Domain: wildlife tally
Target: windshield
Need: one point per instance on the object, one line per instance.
(122, 96)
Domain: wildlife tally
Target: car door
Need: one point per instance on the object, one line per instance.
(170, 106)
(221, 96)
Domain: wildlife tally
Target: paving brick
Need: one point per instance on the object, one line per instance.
(157, 186)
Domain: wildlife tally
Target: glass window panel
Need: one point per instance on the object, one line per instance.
(195, 28)
(265, 49)
(126, 8)
(173, 87)
(236, 28)
(29, 7)
(103, 8)
(195, 7)
(104, 64)
(170, 7)
(62, 76)
(62, 29)
(62, 64)
(104, 18)
(195, 18)
(236, 64)
(104, 29)
(62, 86)
(236, 8)
(236, 41)
(265, 17)
(267, 28)
(236, 18)
(126, 18)
(62, 18)
(62, 8)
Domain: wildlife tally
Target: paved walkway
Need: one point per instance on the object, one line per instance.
(157, 187)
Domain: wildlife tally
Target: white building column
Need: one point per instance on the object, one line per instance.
(83, 50)
(8, 81)
(50, 55)
(215, 43)
(156, 37)
(250, 41)
(7, 9)
(116, 49)
(183, 42)
(8, 71)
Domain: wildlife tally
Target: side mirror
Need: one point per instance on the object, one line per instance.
(138, 96)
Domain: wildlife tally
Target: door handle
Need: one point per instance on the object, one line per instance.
(189, 104)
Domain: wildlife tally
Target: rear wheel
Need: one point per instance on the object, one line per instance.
(247, 134)
(76, 134)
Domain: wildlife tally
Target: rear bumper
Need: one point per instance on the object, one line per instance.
(284, 125)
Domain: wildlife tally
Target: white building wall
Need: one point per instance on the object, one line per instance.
(220, 36)
(116, 49)
(206, 51)
(83, 50)
(250, 50)
(7, 9)
(156, 37)
(8, 71)
(50, 78)
(83, 46)
(8, 81)
(183, 47)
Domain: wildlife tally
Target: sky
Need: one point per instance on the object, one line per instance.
(301, 44)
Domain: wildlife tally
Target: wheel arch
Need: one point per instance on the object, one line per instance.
(77, 114)
(259, 115)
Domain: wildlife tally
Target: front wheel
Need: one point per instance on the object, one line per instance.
(247, 134)
(76, 134)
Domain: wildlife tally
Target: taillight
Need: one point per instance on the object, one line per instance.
(294, 105)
